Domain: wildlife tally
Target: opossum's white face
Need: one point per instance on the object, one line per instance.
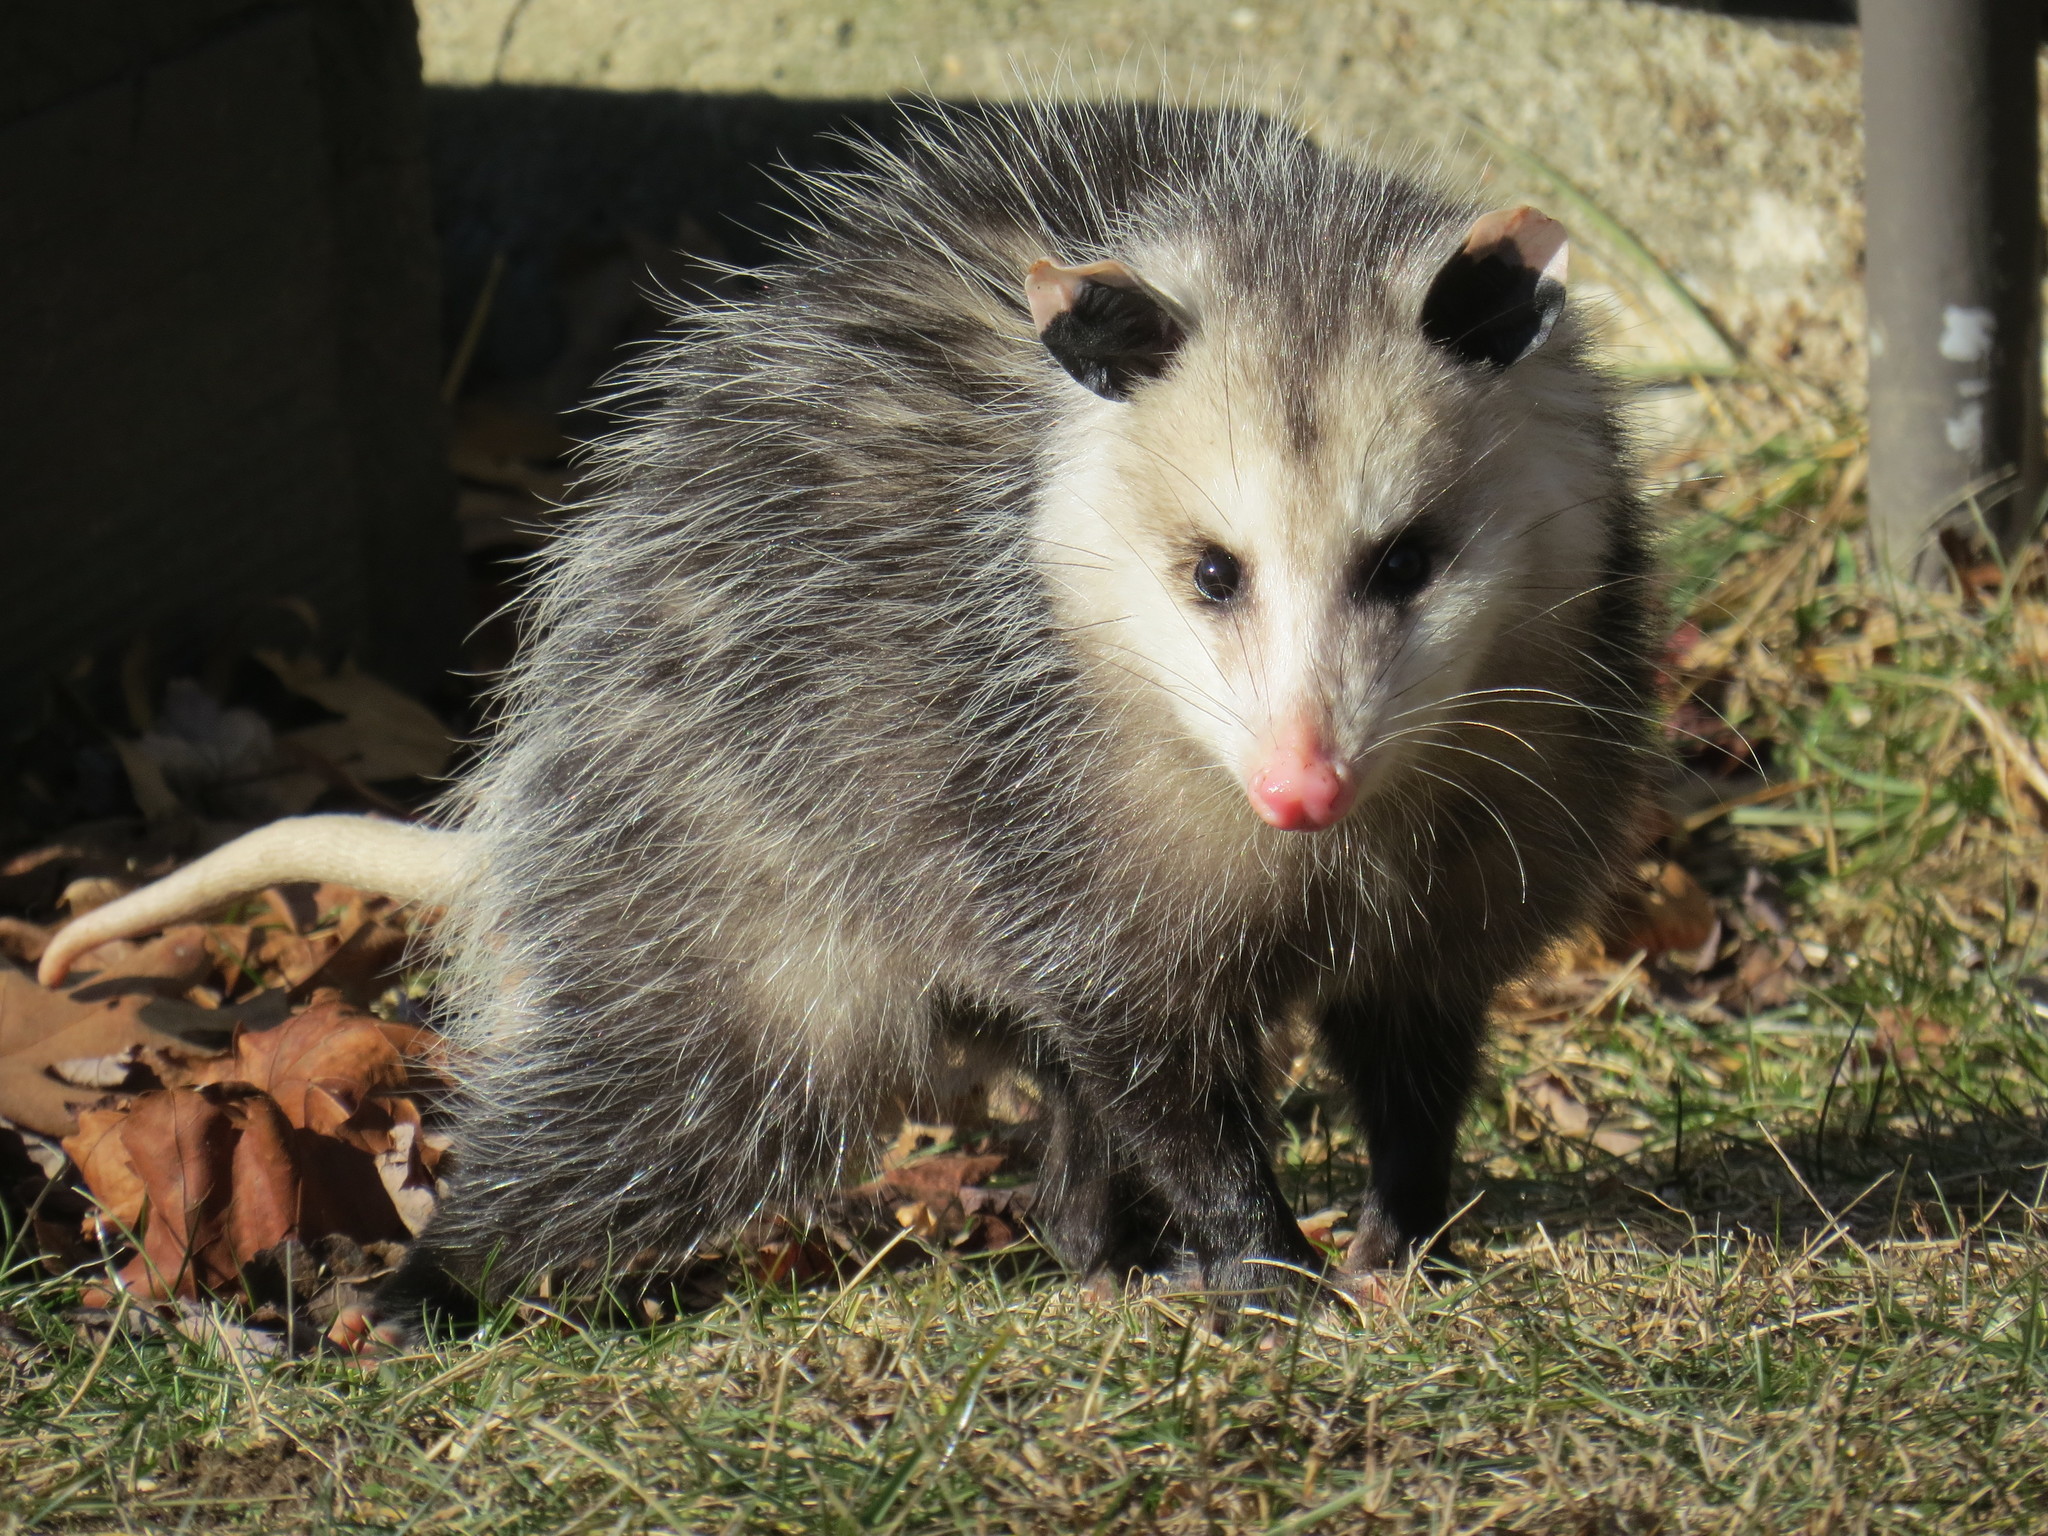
(1313, 564)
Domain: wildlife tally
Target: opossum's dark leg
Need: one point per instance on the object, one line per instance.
(421, 1291)
(1097, 1215)
(1195, 1133)
(1410, 1065)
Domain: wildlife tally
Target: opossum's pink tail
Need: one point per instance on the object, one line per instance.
(388, 857)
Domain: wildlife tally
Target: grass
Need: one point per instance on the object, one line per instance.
(1575, 1383)
(1799, 1287)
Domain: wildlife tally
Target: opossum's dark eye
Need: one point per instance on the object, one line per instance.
(1398, 571)
(1217, 575)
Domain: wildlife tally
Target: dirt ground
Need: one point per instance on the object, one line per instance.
(1731, 150)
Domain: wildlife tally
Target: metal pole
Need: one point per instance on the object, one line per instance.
(1951, 156)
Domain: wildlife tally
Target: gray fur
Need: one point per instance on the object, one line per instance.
(802, 775)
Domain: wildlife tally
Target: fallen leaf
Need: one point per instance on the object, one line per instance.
(346, 907)
(103, 1161)
(327, 1047)
(23, 941)
(268, 1189)
(40, 1028)
(293, 958)
(1662, 908)
(1911, 1038)
(995, 1218)
(1616, 1142)
(383, 734)
(91, 892)
(1014, 1201)
(292, 904)
(22, 864)
(153, 794)
(182, 1143)
(1321, 1227)
(792, 1261)
(1767, 975)
(1556, 1101)
(363, 964)
(406, 1169)
(344, 1193)
(938, 1180)
(106, 1074)
(169, 963)
(913, 1139)
(425, 1051)
(235, 968)
(918, 1217)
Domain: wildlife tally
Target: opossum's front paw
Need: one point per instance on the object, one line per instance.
(394, 1320)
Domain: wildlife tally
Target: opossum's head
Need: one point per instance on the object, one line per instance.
(1306, 525)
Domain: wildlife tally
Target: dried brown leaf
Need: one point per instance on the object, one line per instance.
(23, 941)
(175, 959)
(327, 1047)
(1556, 1101)
(294, 905)
(790, 1262)
(363, 964)
(234, 951)
(40, 1028)
(425, 1050)
(938, 1180)
(1663, 908)
(291, 958)
(88, 893)
(1911, 1038)
(384, 734)
(182, 1143)
(268, 1191)
(406, 1167)
(101, 1155)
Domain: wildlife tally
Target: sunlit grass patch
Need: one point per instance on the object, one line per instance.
(1572, 1382)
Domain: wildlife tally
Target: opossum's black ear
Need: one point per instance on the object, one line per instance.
(1102, 325)
(1496, 300)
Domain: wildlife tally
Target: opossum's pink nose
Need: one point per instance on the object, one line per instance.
(1302, 786)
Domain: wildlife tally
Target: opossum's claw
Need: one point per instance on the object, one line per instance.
(361, 1334)
(1362, 1288)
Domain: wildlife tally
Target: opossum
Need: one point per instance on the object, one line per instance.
(1134, 579)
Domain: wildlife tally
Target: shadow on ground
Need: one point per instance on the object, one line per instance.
(1787, 1186)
